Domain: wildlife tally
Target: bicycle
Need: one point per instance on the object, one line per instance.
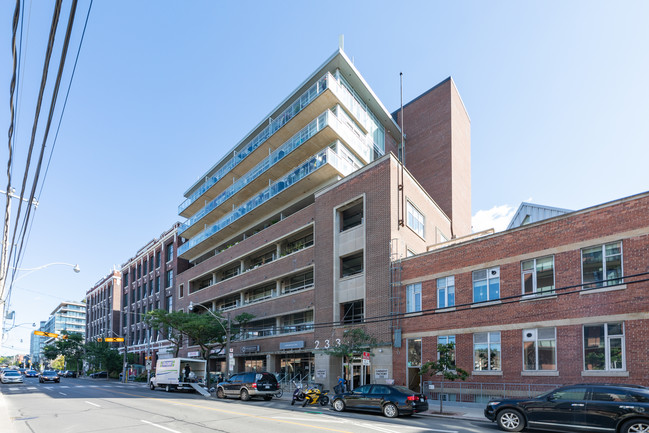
(279, 393)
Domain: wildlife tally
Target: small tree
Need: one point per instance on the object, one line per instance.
(353, 342)
(444, 366)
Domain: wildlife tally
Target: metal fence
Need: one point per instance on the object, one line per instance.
(480, 393)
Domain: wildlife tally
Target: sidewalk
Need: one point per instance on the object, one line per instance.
(455, 411)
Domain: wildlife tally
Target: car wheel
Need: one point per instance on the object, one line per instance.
(324, 400)
(390, 410)
(306, 401)
(57, 381)
(635, 426)
(220, 393)
(168, 388)
(339, 405)
(268, 397)
(245, 396)
(152, 386)
(510, 420)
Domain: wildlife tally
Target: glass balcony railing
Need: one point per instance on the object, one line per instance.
(326, 156)
(307, 132)
(328, 81)
(305, 99)
(318, 124)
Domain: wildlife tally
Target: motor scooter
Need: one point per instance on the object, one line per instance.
(298, 394)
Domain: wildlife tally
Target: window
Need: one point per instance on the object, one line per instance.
(157, 284)
(170, 278)
(151, 264)
(170, 304)
(181, 291)
(413, 298)
(144, 291)
(298, 282)
(602, 265)
(486, 351)
(415, 220)
(351, 265)
(446, 292)
(537, 276)
(260, 293)
(539, 349)
(125, 279)
(139, 271)
(170, 252)
(414, 352)
(447, 339)
(410, 253)
(604, 347)
(486, 285)
(572, 393)
(352, 312)
(158, 258)
(351, 217)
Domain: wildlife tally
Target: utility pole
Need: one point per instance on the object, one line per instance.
(229, 357)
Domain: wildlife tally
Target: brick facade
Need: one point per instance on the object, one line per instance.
(568, 309)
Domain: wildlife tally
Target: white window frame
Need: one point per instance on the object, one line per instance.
(413, 295)
(448, 339)
(451, 279)
(604, 282)
(536, 340)
(415, 220)
(488, 278)
(489, 344)
(607, 346)
(533, 272)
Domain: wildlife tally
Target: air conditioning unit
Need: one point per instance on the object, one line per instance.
(529, 334)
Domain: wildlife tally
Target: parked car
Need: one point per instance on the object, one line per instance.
(49, 376)
(11, 376)
(31, 373)
(99, 375)
(582, 407)
(391, 400)
(69, 373)
(248, 385)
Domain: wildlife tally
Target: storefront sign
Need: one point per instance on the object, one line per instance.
(250, 349)
(321, 374)
(291, 345)
(193, 354)
(381, 373)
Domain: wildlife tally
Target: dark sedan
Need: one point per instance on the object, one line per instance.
(31, 373)
(49, 376)
(585, 407)
(99, 375)
(390, 400)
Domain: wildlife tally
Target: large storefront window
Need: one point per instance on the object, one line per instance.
(604, 347)
(414, 364)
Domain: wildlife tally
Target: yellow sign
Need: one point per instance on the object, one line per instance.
(113, 339)
(48, 334)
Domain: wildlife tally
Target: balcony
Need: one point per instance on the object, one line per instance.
(323, 94)
(314, 172)
(318, 134)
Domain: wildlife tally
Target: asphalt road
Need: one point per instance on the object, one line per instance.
(88, 406)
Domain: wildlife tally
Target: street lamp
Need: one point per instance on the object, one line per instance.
(227, 333)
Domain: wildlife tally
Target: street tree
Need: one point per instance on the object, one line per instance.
(169, 324)
(353, 342)
(70, 347)
(444, 367)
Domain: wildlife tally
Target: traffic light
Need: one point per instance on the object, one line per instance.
(99, 340)
(48, 334)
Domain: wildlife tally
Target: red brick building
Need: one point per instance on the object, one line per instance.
(562, 300)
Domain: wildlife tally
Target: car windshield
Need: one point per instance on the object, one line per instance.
(49, 373)
(12, 373)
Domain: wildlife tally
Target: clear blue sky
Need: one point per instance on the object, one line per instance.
(557, 93)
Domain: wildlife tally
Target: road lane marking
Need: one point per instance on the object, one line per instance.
(31, 387)
(247, 415)
(13, 389)
(94, 404)
(159, 426)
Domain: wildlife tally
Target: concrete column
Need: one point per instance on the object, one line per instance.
(271, 364)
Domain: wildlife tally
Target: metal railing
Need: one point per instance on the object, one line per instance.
(480, 393)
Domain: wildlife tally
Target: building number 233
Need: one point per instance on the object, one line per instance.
(327, 344)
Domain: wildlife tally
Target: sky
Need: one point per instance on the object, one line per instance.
(557, 93)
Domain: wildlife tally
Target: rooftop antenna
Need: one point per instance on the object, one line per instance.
(341, 42)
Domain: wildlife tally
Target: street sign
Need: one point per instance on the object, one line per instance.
(148, 364)
(48, 334)
(113, 339)
(366, 358)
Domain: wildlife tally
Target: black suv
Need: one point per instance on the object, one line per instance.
(247, 385)
(585, 407)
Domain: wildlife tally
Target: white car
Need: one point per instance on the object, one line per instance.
(11, 376)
